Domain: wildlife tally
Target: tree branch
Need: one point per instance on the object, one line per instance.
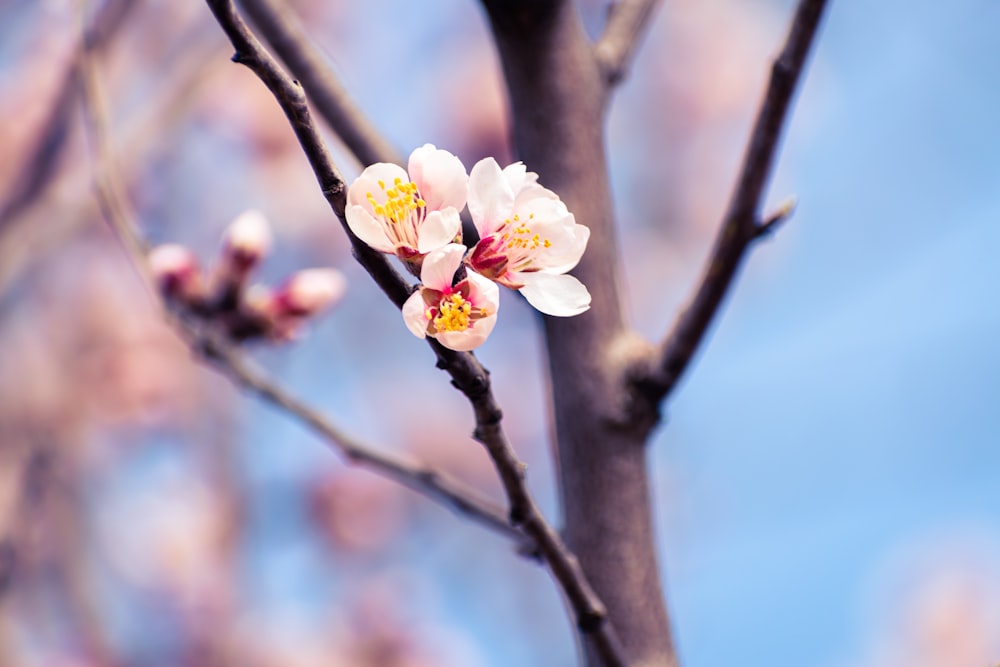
(292, 99)
(467, 373)
(283, 31)
(48, 148)
(740, 226)
(418, 477)
(558, 100)
(35, 480)
(627, 23)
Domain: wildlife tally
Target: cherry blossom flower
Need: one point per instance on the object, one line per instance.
(460, 316)
(409, 214)
(528, 238)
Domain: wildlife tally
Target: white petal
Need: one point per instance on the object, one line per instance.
(471, 338)
(171, 260)
(440, 177)
(438, 229)
(439, 267)
(483, 292)
(249, 233)
(524, 183)
(491, 199)
(368, 181)
(414, 314)
(561, 295)
(368, 229)
(517, 176)
(569, 242)
(543, 205)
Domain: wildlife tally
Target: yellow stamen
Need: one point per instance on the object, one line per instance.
(401, 200)
(454, 314)
(523, 238)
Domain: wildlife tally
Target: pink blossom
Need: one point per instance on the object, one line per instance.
(528, 238)
(460, 316)
(409, 214)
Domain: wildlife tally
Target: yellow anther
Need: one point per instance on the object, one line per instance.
(401, 200)
(520, 237)
(454, 314)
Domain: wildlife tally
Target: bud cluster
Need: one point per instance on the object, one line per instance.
(224, 296)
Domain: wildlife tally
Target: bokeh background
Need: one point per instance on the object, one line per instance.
(826, 478)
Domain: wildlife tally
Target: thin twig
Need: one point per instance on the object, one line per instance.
(421, 478)
(740, 227)
(771, 223)
(627, 23)
(43, 158)
(413, 475)
(468, 375)
(35, 480)
(283, 31)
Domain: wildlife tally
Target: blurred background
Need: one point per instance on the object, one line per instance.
(826, 479)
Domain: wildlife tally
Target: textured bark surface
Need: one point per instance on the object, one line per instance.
(558, 96)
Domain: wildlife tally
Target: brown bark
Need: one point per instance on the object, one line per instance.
(558, 94)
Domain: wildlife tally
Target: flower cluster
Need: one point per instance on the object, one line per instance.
(528, 240)
(223, 297)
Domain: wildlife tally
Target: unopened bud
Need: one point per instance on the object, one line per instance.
(246, 241)
(175, 269)
(307, 292)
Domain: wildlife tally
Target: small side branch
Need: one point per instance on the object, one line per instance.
(771, 223)
(283, 31)
(43, 159)
(741, 226)
(35, 480)
(418, 477)
(628, 21)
